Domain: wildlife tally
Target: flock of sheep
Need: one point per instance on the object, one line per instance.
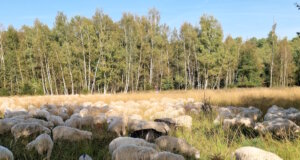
(141, 127)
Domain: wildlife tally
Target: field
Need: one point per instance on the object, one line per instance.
(212, 141)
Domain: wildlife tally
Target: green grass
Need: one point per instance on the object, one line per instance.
(213, 142)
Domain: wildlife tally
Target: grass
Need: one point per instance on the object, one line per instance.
(213, 142)
(258, 97)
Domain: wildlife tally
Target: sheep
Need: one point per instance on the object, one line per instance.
(167, 156)
(78, 122)
(39, 113)
(85, 157)
(117, 125)
(41, 144)
(7, 123)
(117, 142)
(56, 120)
(251, 153)
(250, 112)
(10, 114)
(173, 144)
(184, 121)
(238, 121)
(27, 129)
(99, 119)
(131, 152)
(71, 134)
(6, 154)
(39, 121)
(279, 126)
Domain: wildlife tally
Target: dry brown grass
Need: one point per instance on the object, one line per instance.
(259, 97)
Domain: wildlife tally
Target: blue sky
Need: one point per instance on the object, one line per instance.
(246, 18)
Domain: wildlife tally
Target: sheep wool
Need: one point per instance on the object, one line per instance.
(70, 134)
(27, 129)
(6, 154)
(132, 152)
(173, 144)
(85, 157)
(253, 153)
(167, 156)
(117, 125)
(117, 142)
(43, 143)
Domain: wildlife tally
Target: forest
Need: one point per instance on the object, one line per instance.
(97, 55)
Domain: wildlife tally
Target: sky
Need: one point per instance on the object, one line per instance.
(246, 18)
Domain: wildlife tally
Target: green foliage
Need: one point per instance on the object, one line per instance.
(88, 55)
(167, 84)
(249, 71)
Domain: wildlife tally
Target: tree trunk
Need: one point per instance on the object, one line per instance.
(84, 59)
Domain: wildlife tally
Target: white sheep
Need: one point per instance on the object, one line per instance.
(27, 129)
(278, 126)
(39, 113)
(43, 143)
(173, 144)
(6, 154)
(71, 134)
(10, 114)
(184, 121)
(56, 120)
(117, 125)
(238, 121)
(78, 122)
(117, 142)
(167, 156)
(131, 152)
(253, 153)
(39, 121)
(7, 123)
(85, 157)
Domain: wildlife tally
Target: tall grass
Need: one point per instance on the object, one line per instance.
(258, 97)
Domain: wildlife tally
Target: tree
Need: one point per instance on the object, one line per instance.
(210, 47)
(249, 69)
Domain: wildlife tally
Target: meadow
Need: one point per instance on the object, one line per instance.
(212, 141)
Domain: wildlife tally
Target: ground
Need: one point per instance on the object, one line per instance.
(212, 141)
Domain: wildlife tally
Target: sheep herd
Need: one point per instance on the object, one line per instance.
(141, 127)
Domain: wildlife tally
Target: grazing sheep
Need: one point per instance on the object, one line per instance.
(117, 142)
(10, 114)
(117, 125)
(135, 125)
(279, 126)
(184, 121)
(238, 121)
(43, 143)
(71, 134)
(237, 112)
(27, 129)
(78, 122)
(173, 144)
(253, 153)
(133, 152)
(56, 120)
(85, 157)
(167, 156)
(39, 113)
(39, 121)
(169, 121)
(148, 130)
(6, 154)
(7, 123)
(99, 119)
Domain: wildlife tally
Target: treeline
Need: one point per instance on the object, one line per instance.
(98, 55)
